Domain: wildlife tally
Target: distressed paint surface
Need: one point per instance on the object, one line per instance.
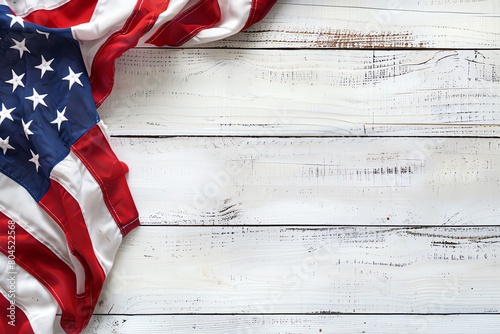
(307, 92)
(180, 270)
(311, 181)
(374, 24)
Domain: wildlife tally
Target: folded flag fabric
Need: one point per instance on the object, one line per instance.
(64, 201)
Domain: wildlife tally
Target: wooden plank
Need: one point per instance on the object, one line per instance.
(311, 92)
(374, 24)
(295, 324)
(269, 270)
(314, 181)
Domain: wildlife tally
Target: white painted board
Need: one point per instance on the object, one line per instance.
(303, 270)
(314, 181)
(374, 24)
(305, 92)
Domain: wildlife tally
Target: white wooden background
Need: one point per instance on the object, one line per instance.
(335, 169)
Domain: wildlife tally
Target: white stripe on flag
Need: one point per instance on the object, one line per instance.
(31, 297)
(18, 205)
(174, 8)
(234, 15)
(106, 237)
(108, 18)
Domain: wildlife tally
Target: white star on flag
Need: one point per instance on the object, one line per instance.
(20, 46)
(16, 81)
(26, 128)
(34, 159)
(4, 145)
(16, 19)
(45, 66)
(36, 98)
(43, 33)
(59, 119)
(73, 77)
(6, 113)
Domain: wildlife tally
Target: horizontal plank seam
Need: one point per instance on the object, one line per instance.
(390, 9)
(316, 48)
(317, 227)
(293, 314)
(299, 137)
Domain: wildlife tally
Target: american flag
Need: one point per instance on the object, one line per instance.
(64, 201)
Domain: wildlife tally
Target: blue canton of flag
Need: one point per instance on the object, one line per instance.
(45, 99)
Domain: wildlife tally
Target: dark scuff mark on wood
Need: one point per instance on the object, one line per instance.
(471, 238)
(445, 244)
(227, 214)
(341, 40)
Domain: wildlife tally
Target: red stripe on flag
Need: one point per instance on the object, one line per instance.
(51, 271)
(19, 322)
(259, 9)
(203, 15)
(94, 151)
(70, 14)
(139, 22)
(66, 211)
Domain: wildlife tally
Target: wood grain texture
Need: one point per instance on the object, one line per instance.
(267, 270)
(374, 24)
(290, 324)
(308, 92)
(314, 181)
